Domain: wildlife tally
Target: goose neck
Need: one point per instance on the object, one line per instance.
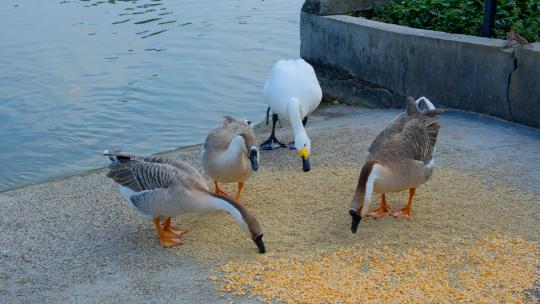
(236, 147)
(295, 117)
(220, 202)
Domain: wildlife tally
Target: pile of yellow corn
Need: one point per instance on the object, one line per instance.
(495, 269)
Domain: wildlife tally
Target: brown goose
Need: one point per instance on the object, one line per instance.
(230, 154)
(400, 158)
(159, 188)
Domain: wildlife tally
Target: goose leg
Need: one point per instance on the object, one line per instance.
(240, 186)
(272, 142)
(382, 211)
(218, 189)
(406, 212)
(267, 115)
(166, 238)
(177, 231)
(291, 144)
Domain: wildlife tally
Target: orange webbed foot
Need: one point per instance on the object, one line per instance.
(405, 213)
(171, 230)
(167, 236)
(169, 241)
(382, 211)
(178, 231)
(165, 233)
(219, 191)
(377, 214)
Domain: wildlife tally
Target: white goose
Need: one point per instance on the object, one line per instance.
(293, 93)
(159, 188)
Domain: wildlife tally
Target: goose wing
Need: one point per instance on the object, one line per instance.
(418, 138)
(189, 173)
(385, 139)
(412, 134)
(137, 170)
(218, 140)
(152, 188)
(143, 175)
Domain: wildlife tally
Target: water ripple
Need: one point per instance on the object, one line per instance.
(77, 77)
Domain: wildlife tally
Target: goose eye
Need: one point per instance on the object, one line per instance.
(248, 122)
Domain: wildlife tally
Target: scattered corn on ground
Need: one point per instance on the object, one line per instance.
(302, 213)
(496, 269)
(441, 255)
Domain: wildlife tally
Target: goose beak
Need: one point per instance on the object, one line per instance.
(304, 154)
(258, 240)
(254, 158)
(305, 164)
(355, 220)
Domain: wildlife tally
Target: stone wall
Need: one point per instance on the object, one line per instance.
(376, 64)
(524, 90)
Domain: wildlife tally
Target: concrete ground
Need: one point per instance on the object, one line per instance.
(74, 240)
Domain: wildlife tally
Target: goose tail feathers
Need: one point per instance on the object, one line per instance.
(118, 156)
(422, 106)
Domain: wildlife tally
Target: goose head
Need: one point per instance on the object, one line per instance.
(303, 146)
(359, 207)
(357, 204)
(251, 226)
(256, 233)
(251, 145)
(247, 221)
(244, 128)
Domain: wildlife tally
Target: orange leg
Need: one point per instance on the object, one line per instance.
(406, 212)
(177, 231)
(240, 186)
(166, 238)
(218, 190)
(382, 211)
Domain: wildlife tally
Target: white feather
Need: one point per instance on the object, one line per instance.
(373, 176)
(429, 104)
(219, 204)
(128, 193)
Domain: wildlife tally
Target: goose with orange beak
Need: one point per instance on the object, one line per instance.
(400, 158)
(292, 92)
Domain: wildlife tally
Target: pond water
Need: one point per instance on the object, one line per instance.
(78, 77)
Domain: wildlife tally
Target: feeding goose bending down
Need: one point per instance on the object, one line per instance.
(400, 158)
(159, 188)
(292, 92)
(229, 154)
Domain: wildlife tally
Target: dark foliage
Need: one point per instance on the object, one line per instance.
(464, 16)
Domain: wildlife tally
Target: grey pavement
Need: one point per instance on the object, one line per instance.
(74, 241)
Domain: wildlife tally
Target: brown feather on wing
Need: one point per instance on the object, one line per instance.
(140, 175)
(172, 162)
(412, 135)
(192, 177)
(418, 137)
